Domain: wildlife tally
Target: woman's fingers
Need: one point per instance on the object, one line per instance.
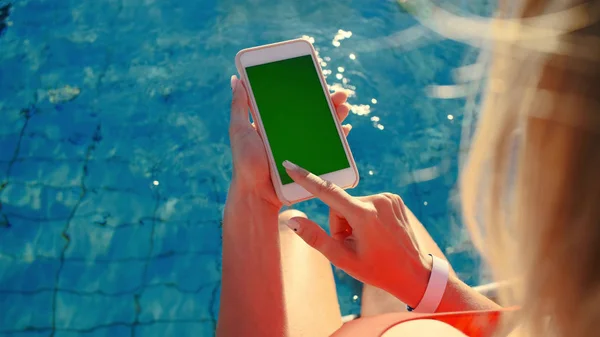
(239, 107)
(328, 192)
(335, 251)
(339, 98)
(342, 111)
(346, 128)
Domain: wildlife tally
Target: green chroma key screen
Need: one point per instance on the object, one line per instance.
(296, 116)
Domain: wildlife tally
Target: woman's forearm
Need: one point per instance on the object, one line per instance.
(457, 297)
(460, 297)
(252, 302)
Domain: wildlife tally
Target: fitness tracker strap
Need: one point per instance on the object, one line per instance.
(435, 288)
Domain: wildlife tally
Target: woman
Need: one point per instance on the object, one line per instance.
(530, 192)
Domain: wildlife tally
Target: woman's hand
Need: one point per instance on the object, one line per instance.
(250, 162)
(371, 238)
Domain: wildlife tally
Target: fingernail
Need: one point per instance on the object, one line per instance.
(348, 126)
(290, 166)
(293, 224)
(233, 82)
(295, 168)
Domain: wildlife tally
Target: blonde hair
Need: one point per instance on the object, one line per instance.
(531, 185)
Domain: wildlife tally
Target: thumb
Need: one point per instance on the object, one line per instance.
(317, 238)
(239, 107)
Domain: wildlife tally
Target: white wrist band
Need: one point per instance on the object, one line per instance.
(435, 288)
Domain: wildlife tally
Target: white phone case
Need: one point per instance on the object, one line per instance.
(259, 125)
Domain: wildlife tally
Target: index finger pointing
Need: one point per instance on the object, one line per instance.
(331, 194)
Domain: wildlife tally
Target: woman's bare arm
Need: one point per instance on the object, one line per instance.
(458, 295)
(252, 301)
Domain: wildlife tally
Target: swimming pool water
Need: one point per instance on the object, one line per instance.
(114, 157)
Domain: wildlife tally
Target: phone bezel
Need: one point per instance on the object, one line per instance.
(292, 192)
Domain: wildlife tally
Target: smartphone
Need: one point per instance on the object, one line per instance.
(293, 112)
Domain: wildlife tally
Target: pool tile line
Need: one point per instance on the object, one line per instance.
(140, 222)
(90, 149)
(4, 14)
(138, 293)
(165, 255)
(26, 113)
(135, 292)
(215, 298)
(97, 327)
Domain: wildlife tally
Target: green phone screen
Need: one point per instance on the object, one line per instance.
(296, 116)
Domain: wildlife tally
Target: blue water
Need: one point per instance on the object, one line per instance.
(114, 157)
